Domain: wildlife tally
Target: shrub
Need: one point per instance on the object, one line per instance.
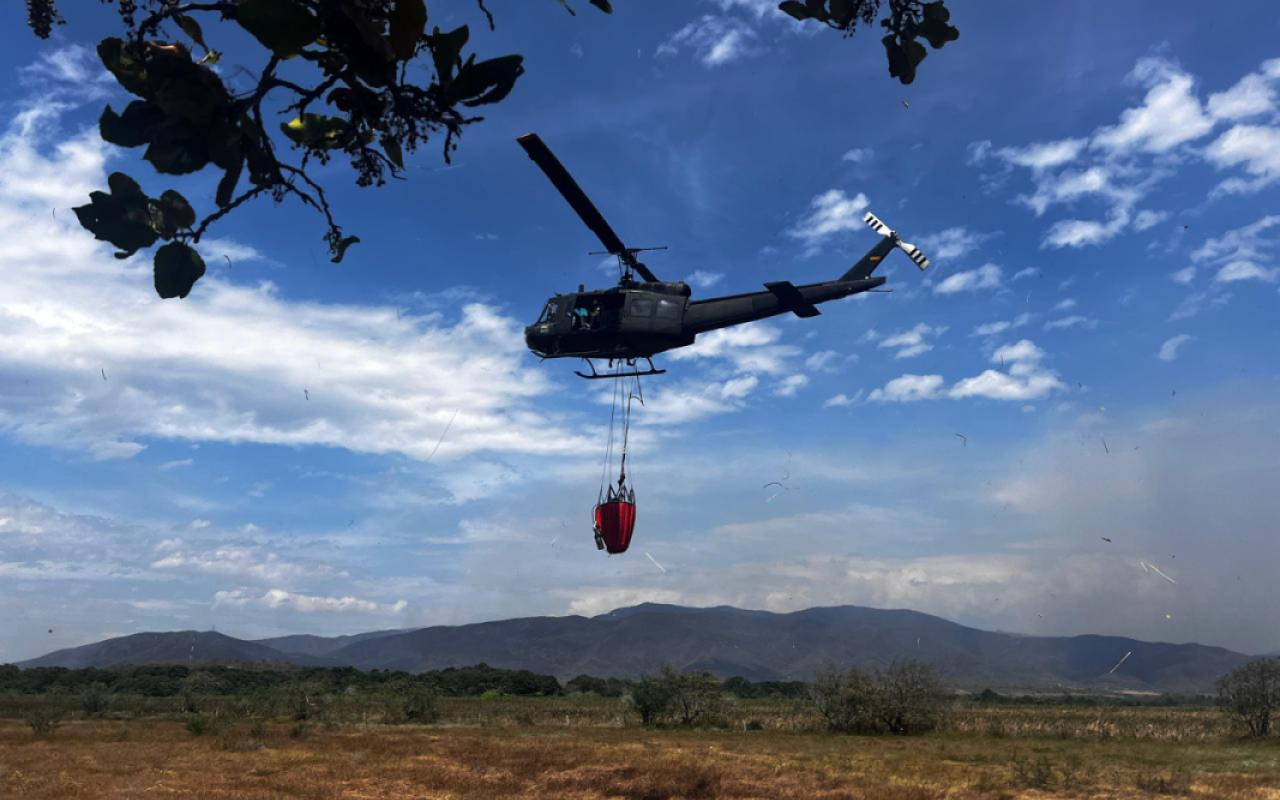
(906, 698)
(651, 698)
(94, 699)
(1251, 694)
(43, 721)
(408, 700)
(198, 726)
(909, 698)
(846, 700)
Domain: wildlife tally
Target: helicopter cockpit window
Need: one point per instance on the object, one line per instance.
(549, 313)
(668, 309)
(640, 307)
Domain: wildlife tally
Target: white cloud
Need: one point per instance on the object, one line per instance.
(181, 462)
(985, 277)
(822, 361)
(1170, 114)
(914, 342)
(1169, 350)
(704, 279)
(1027, 272)
(833, 212)
(1256, 148)
(1184, 276)
(1245, 271)
(1148, 219)
(231, 362)
(1248, 243)
(307, 604)
(1065, 305)
(1251, 96)
(245, 563)
(858, 155)
(1044, 155)
(791, 384)
(951, 243)
(690, 401)
(1083, 233)
(1026, 377)
(907, 389)
(841, 400)
(749, 348)
(1073, 321)
(715, 40)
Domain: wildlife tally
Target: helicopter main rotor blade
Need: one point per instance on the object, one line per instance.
(572, 192)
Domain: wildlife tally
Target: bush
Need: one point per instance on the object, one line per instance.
(198, 726)
(846, 700)
(651, 698)
(678, 698)
(94, 699)
(1251, 694)
(408, 700)
(909, 699)
(43, 721)
(906, 698)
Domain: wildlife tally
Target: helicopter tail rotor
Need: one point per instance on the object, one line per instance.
(911, 250)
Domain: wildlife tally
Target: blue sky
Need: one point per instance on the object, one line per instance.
(1096, 192)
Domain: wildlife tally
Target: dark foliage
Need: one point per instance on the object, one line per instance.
(1251, 694)
(903, 699)
(338, 75)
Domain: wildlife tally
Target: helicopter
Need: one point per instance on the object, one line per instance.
(638, 319)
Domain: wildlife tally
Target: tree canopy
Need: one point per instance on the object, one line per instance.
(358, 101)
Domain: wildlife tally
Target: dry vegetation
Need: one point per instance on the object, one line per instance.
(585, 748)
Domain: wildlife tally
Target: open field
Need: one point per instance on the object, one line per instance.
(513, 755)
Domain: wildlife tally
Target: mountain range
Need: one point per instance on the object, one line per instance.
(726, 641)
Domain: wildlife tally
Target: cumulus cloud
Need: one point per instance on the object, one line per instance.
(790, 385)
(1169, 350)
(1117, 165)
(1170, 113)
(1184, 276)
(1026, 377)
(753, 347)
(227, 363)
(704, 279)
(858, 155)
(951, 243)
(831, 213)
(907, 389)
(985, 277)
(841, 400)
(995, 328)
(913, 342)
(307, 604)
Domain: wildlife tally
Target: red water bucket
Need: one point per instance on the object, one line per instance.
(615, 522)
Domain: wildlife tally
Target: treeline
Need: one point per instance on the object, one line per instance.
(992, 697)
(474, 681)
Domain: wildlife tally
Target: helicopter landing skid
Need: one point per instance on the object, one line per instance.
(631, 362)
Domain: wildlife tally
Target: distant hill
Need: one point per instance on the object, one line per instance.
(311, 645)
(758, 645)
(168, 648)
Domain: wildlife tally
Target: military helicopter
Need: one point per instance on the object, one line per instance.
(638, 319)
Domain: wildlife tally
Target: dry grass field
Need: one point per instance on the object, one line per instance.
(986, 754)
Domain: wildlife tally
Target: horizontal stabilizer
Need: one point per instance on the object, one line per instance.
(789, 297)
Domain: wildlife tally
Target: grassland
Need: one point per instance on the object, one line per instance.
(588, 748)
